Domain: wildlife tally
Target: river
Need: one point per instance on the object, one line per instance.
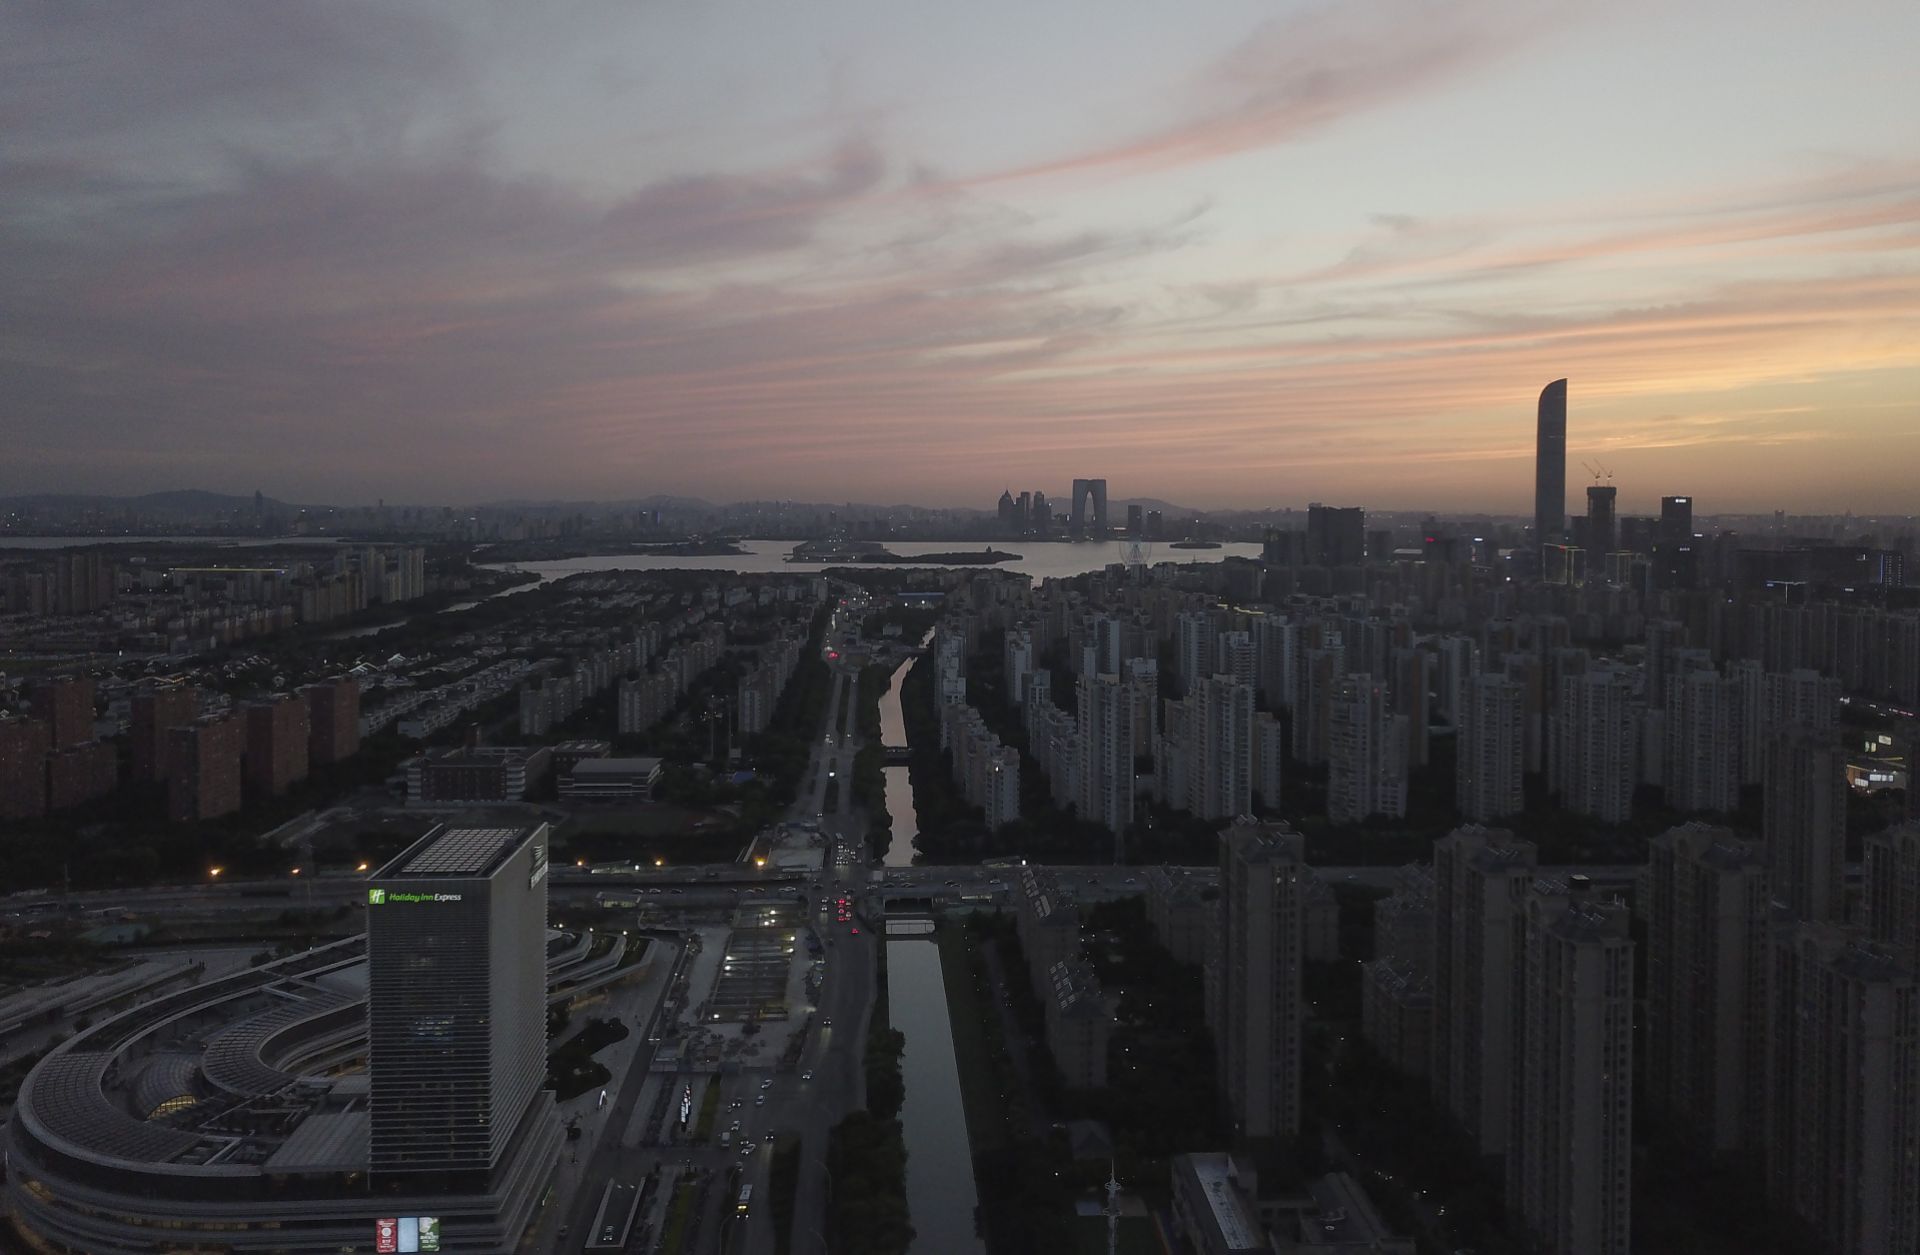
(893, 734)
(940, 1191)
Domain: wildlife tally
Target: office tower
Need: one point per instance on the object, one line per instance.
(1701, 756)
(1105, 718)
(1804, 821)
(1336, 535)
(1893, 891)
(1602, 535)
(277, 734)
(1009, 514)
(154, 712)
(65, 705)
(1843, 1051)
(24, 744)
(1083, 490)
(1550, 465)
(1708, 916)
(457, 1003)
(1136, 521)
(1490, 754)
(1269, 755)
(1366, 753)
(1569, 1156)
(1480, 876)
(203, 766)
(1596, 745)
(1262, 881)
(1219, 748)
(1676, 520)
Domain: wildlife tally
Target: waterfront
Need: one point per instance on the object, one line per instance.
(1040, 560)
(941, 1196)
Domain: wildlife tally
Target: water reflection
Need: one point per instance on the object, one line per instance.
(940, 1191)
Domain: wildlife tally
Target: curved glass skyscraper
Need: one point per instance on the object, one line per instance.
(1550, 465)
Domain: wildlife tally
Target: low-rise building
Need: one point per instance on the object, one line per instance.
(610, 780)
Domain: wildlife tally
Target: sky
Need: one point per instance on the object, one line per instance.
(1239, 254)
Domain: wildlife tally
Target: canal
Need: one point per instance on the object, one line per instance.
(941, 1197)
(899, 793)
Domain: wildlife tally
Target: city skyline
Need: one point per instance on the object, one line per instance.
(1257, 255)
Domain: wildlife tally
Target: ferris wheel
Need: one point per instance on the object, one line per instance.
(1137, 552)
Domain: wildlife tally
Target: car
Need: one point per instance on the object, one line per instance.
(767, 1138)
(828, 1022)
(759, 1100)
(767, 1084)
(746, 1150)
(806, 1076)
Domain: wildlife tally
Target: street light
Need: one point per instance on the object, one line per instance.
(215, 872)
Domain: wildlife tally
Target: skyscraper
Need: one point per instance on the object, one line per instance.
(1843, 1049)
(1336, 535)
(457, 1003)
(1106, 751)
(1602, 534)
(1366, 753)
(1550, 464)
(1263, 873)
(1492, 747)
(1804, 821)
(1596, 745)
(1480, 876)
(1707, 919)
(1569, 1155)
(1220, 748)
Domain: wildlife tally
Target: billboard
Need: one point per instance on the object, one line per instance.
(406, 1235)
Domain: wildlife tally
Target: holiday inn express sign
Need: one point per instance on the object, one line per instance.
(379, 897)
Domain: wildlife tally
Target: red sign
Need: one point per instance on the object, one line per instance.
(386, 1236)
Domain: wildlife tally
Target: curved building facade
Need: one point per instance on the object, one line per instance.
(1550, 465)
(241, 1115)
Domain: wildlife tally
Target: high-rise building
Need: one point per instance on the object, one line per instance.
(1602, 534)
(1893, 891)
(155, 711)
(1262, 882)
(203, 766)
(1804, 821)
(456, 1005)
(1676, 519)
(1550, 464)
(1480, 878)
(277, 736)
(1219, 750)
(1843, 1106)
(1136, 521)
(1366, 753)
(1708, 916)
(65, 704)
(1490, 757)
(1701, 755)
(1569, 1156)
(24, 744)
(1269, 757)
(1106, 748)
(1596, 745)
(1085, 490)
(1194, 639)
(1336, 535)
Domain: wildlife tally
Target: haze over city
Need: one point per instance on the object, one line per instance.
(1230, 255)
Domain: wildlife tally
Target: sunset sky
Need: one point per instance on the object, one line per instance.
(1230, 254)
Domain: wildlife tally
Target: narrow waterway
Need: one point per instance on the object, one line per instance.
(893, 734)
(940, 1192)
